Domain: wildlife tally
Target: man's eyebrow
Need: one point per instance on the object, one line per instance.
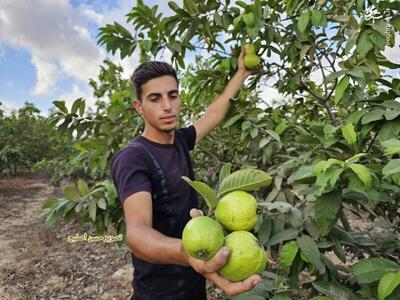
(158, 94)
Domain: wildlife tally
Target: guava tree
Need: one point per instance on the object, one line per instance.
(27, 139)
(331, 145)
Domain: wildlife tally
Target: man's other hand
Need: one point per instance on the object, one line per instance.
(209, 269)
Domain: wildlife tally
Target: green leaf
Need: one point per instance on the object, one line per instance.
(341, 88)
(92, 210)
(334, 290)
(264, 231)
(204, 190)
(288, 253)
(101, 203)
(302, 173)
(51, 219)
(332, 76)
(83, 188)
(82, 108)
(373, 66)
(355, 158)
(71, 193)
(190, 7)
(393, 104)
(264, 141)
(249, 19)
(273, 134)
(295, 217)
(231, 121)
(303, 21)
(244, 180)
(364, 43)
(281, 206)
(284, 235)
(390, 129)
(349, 133)
(356, 116)
(75, 106)
(225, 171)
(316, 17)
(372, 269)
(391, 146)
(326, 211)
(310, 249)
(50, 203)
(363, 173)
(61, 106)
(324, 165)
(328, 179)
(387, 284)
(371, 116)
(392, 167)
(391, 114)
(254, 132)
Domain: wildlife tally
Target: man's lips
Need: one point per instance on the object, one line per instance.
(168, 118)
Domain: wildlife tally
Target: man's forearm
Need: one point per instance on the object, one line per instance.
(220, 106)
(154, 247)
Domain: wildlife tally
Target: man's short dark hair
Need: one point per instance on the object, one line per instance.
(150, 70)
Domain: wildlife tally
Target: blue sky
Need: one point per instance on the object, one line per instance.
(49, 51)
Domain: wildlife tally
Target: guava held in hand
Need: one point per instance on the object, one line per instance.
(249, 49)
(251, 59)
(246, 256)
(237, 211)
(202, 237)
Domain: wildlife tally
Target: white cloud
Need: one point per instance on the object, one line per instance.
(2, 52)
(270, 96)
(46, 75)
(56, 35)
(7, 107)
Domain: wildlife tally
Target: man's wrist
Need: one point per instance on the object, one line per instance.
(184, 256)
(241, 73)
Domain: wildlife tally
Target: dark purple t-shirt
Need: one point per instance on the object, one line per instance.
(144, 165)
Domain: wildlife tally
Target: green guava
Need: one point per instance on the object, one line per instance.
(237, 211)
(246, 256)
(202, 237)
(249, 48)
(251, 61)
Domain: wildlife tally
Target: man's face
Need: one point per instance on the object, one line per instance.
(160, 103)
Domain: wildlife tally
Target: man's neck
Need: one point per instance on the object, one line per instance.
(160, 137)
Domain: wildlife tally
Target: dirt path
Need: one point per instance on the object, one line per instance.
(36, 263)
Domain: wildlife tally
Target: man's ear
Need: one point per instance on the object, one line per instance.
(137, 105)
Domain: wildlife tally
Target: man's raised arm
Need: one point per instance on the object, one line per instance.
(217, 110)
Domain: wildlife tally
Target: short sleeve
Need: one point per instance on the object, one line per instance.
(130, 173)
(189, 136)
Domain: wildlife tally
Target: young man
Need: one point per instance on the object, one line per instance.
(157, 203)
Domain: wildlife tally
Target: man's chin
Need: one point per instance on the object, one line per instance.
(168, 129)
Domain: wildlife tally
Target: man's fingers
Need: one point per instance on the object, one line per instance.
(218, 260)
(233, 288)
(195, 212)
(252, 280)
(241, 55)
(243, 286)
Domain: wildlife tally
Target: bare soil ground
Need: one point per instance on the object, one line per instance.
(36, 263)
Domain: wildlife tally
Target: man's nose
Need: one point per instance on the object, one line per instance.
(165, 103)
